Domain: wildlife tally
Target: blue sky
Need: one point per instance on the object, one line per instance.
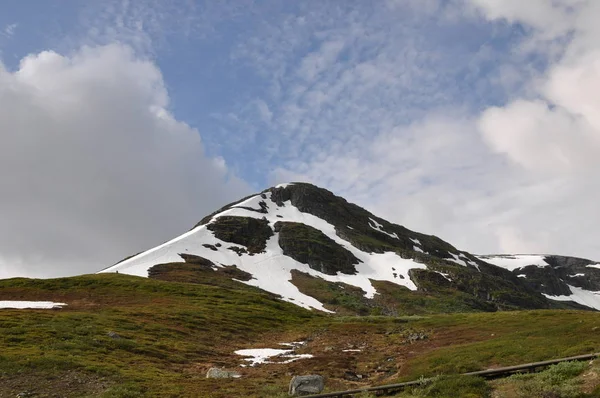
(222, 64)
(451, 117)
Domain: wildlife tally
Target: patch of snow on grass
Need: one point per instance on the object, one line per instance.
(378, 227)
(580, 296)
(296, 357)
(418, 249)
(513, 262)
(40, 305)
(257, 356)
(572, 276)
(352, 350)
(294, 344)
(593, 265)
(260, 355)
(415, 241)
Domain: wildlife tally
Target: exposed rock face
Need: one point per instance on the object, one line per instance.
(250, 232)
(216, 373)
(355, 224)
(306, 385)
(310, 246)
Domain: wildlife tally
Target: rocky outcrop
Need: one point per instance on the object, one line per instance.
(306, 385)
(250, 232)
(310, 246)
(216, 373)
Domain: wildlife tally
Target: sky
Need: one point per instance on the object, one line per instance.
(124, 122)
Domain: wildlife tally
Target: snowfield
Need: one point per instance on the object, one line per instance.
(257, 356)
(513, 262)
(581, 296)
(272, 269)
(39, 305)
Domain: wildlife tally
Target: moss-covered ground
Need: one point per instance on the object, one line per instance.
(170, 333)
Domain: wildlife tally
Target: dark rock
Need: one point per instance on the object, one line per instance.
(353, 376)
(211, 247)
(238, 250)
(306, 385)
(246, 231)
(310, 246)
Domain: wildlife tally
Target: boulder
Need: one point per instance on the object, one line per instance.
(216, 373)
(306, 385)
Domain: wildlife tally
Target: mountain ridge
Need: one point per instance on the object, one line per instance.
(290, 234)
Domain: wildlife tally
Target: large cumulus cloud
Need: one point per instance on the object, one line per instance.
(93, 166)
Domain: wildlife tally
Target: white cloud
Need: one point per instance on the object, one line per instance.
(93, 167)
(553, 134)
(519, 177)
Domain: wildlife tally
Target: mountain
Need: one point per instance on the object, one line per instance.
(558, 278)
(316, 250)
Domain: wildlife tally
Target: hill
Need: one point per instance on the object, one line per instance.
(127, 336)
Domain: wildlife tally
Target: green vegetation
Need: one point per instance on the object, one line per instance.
(164, 330)
(169, 333)
(201, 273)
(483, 340)
(561, 380)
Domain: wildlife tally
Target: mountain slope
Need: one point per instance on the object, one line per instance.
(558, 278)
(318, 251)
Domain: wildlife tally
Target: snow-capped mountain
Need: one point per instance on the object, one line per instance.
(558, 278)
(316, 250)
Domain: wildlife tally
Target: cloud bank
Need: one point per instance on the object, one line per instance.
(93, 166)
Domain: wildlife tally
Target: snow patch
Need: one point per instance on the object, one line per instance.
(512, 263)
(285, 185)
(416, 241)
(581, 296)
(446, 276)
(352, 350)
(40, 305)
(257, 356)
(378, 227)
(418, 249)
(294, 344)
(457, 260)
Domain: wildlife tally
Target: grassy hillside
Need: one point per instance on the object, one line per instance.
(170, 333)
